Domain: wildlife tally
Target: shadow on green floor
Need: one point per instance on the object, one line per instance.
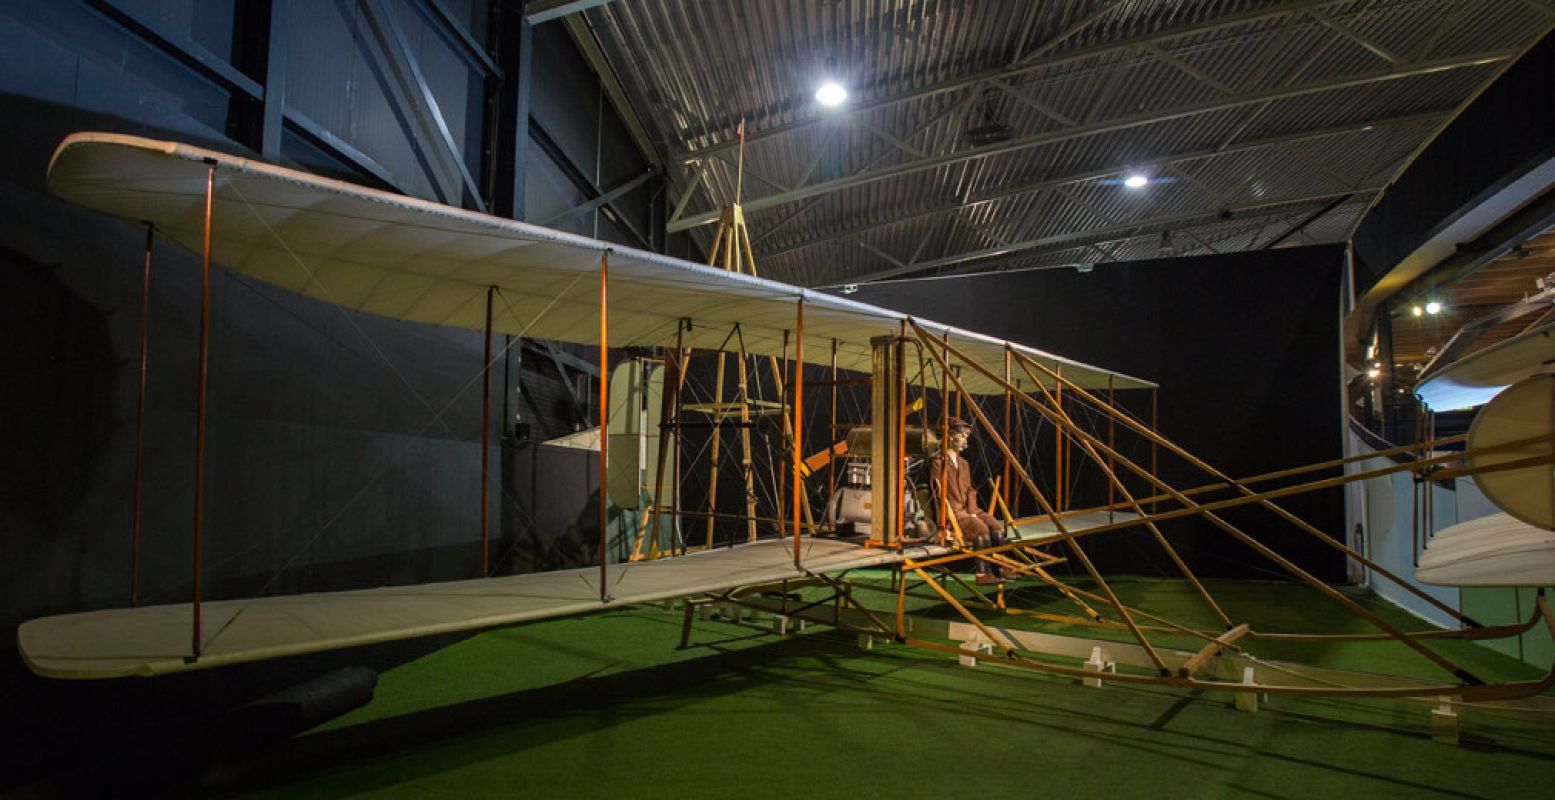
(606, 706)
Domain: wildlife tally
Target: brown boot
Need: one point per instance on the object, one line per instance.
(987, 578)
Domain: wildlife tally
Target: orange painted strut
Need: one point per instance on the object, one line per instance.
(486, 439)
(798, 420)
(604, 420)
(199, 407)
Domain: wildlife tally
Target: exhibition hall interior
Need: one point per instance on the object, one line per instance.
(827, 398)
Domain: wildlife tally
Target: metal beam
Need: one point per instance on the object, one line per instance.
(508, 117)
(608, 197)
(1007, 73)
(275, 83)
(539, 11)
(178, 48)
(1007, 192)
(580, 180)
(396, 47)
(1041, 108)
(1191, 71)
(1081, 237)
(1082, 24)
(583, 37)
(1351, 34)
(340, 149)
(1119, 124)
(452, 31)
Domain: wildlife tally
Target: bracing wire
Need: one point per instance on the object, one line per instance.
(361, 492)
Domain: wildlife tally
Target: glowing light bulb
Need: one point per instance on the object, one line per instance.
(831, 93)
(1136, 181)
(1416, 310)
(1433, 307)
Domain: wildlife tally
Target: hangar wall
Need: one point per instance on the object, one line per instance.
(1245, 347)
(343, 448)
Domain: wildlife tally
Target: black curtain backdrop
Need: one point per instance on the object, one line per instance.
(1245, 349)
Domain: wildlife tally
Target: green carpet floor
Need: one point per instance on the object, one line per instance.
(606, 706)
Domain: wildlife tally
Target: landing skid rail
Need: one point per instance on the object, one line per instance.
(1212, 668)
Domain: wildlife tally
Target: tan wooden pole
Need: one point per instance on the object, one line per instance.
(1262, 549)
(718, 243)
(667, 418)
(739, 173)
(1065, 423)
(1019, 487)
(944, 444)
(683, 357)
(1111, 441)
(1248, 494)
(901, 438)
(717, 434)
(604, 422)
(782, 493)
(1315, 467)
(1245, 500)
(747, 461)
(486, 441)
(1048, 508)
(199, 409)
(831, 430)
(1004, 485)
(140, 416)
(798, 420)
(1155, 425)
(1060, 469)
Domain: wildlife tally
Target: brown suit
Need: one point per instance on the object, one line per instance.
(961, 497)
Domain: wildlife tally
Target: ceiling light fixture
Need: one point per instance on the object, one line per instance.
(1433, 307)
(831, 93)
(1136, 181)
(1416, 310)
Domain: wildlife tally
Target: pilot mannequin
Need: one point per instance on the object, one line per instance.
(950, 473)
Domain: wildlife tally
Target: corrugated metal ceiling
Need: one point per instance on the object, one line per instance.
(1265, 123)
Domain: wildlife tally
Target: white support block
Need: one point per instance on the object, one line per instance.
(780, 624)
(1096, 663)
(976, 647)
(1247, 701)
(1444, 722)
(866, 642)
(705, 611)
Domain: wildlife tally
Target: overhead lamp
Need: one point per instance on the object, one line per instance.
(831, 93)
(1416, 310)
(1433, 307)
(1373, 373)
(1136, 181)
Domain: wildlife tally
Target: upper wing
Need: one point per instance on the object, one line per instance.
(409, 259)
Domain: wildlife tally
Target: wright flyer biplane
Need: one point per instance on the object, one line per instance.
(830, 496)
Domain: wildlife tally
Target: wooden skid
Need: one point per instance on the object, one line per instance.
(1208, 669)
